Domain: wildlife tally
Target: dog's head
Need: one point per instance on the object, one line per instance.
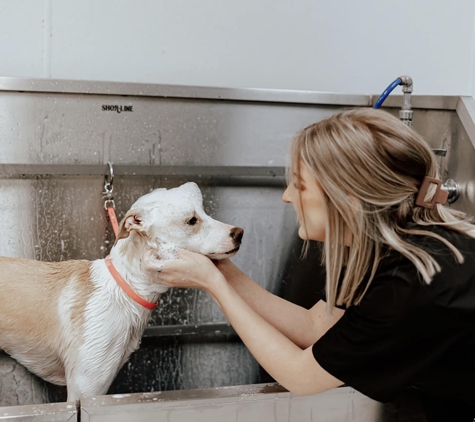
(175, 218)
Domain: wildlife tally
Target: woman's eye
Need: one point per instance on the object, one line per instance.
(192, 221)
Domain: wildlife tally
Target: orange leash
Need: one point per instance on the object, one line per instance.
(109, 205)
(113, 219)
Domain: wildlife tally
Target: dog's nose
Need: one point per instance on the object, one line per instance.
(237, 233)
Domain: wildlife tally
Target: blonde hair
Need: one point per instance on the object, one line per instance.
(370, 166)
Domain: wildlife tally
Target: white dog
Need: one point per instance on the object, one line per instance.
(76, 323)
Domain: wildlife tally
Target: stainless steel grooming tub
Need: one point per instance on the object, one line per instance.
(56, 138)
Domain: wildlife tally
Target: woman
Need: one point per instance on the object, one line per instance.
(400, 273)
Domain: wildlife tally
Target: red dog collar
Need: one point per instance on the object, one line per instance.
(126, 288)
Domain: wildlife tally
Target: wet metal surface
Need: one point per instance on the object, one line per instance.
(162, 137)
(257, 403)
(51, 412)
(175, 91)
(18, 386)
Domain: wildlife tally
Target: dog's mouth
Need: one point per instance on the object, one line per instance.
(232, 251)
(226, 253)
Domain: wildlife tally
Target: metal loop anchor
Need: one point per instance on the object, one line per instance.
(109, 188)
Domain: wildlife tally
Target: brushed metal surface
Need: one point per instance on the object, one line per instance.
(217, 175)
(426, 102)
(52, 412)
(56, 138)
(254, 403)
(466, 113)
(57, 218)
(177, 91)
(23, 170)
(18, 386)
(459, 165)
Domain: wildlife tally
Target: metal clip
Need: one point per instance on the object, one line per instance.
(109, 203)
(109, 183)
(109, 188)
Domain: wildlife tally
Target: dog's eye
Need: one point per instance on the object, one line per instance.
(192, 221)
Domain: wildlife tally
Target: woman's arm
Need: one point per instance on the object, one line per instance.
(294, 368)
(302, 326)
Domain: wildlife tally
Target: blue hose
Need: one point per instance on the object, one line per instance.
(386, 92)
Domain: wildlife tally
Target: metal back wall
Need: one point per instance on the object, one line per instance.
(453, 130)
(57, 217)
(460, 163)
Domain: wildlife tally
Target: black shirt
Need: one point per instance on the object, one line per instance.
(408, 334)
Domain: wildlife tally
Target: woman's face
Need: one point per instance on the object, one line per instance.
(306, 195)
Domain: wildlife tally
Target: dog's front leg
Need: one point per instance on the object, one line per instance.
(73, 394)
(90, 380)
(78, 388)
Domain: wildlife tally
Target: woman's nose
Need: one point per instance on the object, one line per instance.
(286, 196)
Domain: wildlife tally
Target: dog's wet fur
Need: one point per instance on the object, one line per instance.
(70, 322)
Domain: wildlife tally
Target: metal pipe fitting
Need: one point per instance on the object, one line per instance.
(407, 85)
(405, 114)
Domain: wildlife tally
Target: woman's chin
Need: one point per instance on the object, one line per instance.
(302, 233)
(305, 235)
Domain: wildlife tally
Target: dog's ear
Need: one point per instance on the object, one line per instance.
(133, 220)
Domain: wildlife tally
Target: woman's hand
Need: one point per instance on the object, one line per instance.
(189, 269)
(294, 368)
